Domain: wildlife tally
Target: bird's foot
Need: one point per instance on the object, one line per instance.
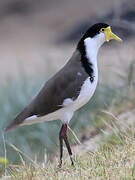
(72, 162)
(60, 164)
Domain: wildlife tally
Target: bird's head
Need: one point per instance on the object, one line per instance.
(98, 34)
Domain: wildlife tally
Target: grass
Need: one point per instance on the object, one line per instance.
(114, 160)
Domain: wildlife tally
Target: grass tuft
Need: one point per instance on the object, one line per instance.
(110, 161)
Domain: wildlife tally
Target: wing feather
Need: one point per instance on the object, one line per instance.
(64, 84)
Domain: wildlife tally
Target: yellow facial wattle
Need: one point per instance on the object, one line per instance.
(110, 35)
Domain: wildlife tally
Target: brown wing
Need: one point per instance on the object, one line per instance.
(65, 84)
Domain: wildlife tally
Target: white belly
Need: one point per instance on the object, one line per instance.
(69, 106)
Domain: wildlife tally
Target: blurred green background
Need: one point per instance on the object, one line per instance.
(36, 39)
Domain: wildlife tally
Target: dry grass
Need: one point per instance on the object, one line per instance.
(113, 160)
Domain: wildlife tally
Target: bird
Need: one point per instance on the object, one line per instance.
(70, 88)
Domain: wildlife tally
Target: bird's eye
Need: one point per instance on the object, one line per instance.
(102, 30)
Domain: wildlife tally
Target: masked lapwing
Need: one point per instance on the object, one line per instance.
(70, 88)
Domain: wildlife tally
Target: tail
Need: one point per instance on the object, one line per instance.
(10, 127)
(18, 120)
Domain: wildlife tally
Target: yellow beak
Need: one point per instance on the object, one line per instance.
(110, 35)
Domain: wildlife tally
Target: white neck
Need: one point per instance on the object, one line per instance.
(92, 46)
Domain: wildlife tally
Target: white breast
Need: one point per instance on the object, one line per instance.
(86, 92)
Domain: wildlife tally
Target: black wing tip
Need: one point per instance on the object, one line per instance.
(6, 129)
(9, 127)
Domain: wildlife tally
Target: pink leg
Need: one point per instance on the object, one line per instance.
(63, 136)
